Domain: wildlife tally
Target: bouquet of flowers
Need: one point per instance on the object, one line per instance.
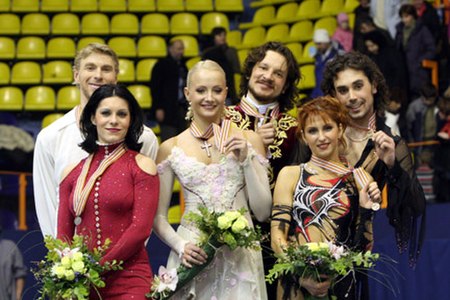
(69, 270)
(319, 260)
(229, 229)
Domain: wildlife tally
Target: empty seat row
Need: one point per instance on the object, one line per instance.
(121, 5)
(28, 72)
(45, 98)
(100, 24)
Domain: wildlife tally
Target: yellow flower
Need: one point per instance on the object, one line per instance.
(77, 256)
(58, 270)
(224, 222)
(232, 215)
(323, 245)
(69, 274)
(78, 266)
(65, 261)
(239, 224)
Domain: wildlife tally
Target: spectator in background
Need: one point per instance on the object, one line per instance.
(343, 34)
(227, 58)
(385, 14)
(427, 14)
(366, 26)
(168, 80)
(327, 49)
(441, 179)
(362, 12)
(12, 270)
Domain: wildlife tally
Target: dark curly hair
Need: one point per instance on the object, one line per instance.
(89, 130)
(359, 62)
(286, 99)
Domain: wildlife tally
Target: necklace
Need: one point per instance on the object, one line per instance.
(365, 138)
(220, 134)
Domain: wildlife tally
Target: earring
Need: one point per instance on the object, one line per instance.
(189, 114)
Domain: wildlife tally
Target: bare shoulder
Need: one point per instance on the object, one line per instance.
(67, 171)
(165, 149)
(146, 164)
(289, 175)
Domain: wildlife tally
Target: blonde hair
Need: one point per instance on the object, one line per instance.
(95, 48)
(207, 65)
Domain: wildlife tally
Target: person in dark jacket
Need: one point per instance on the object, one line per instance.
(416, 43)
(427, 14)
(167, 82)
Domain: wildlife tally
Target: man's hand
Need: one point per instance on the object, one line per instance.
(384, 148)
(267, 133)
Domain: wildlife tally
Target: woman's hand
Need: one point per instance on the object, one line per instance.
(316, 289)
(193, 254)
(369, 194)
(238, 146)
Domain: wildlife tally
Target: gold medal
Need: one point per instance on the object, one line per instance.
(77, 221)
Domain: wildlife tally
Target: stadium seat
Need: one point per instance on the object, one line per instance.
(123, 46)
(301, 31)
(40, 98)
(50, 118)
(151, 46)
(309, 50)
(242, 54)
(350, 5)
(87, 6)
(169, 5)
(144, 69)
(296, 49)
(308, 80)
(61, 47)
(308, 10)
(234, 38)
(331, 7)
(57, 72)
(30, 47)
(26, 72)
(285, 13)
(141, 6)
(5, 5)
(213, 19)
(125, 23)
(126, 70)
(7, 48)
(95, 23)
(261, 16)
(253, 37)
(199, 5)
(36, 24)
(65, 24)
(24, 6)
(184, 23)
(5, 73)
(155, 23)
(328, 23)
(235, 6)
(192, 61)
(11, 98)
(84, 41)
(191, 47)
(142, 95)
(67, 97)
(9, 24)
(112, 5)
(54, 5)
(278, 32)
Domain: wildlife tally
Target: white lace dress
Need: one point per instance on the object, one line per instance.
(222, 186)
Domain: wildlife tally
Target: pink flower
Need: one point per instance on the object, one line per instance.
(67, 252)
(168, 279)
(336, 251)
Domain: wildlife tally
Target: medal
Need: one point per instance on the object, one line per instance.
(375, 206)
(77, 221)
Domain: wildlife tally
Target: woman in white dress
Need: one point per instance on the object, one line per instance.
(223, 168)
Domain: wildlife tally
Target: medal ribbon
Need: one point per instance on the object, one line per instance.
(371, 126)
(250, 110)
(220, 133)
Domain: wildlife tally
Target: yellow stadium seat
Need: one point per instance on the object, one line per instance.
(144, 69)
(125, 24)
(9, 24)
(57, 71)
(141, 6)
(112, 5)
(67, 97)
(40, 98)
(234, 38)
(123, 46)
(309, 50)
(156, 129)
(235, 6)
(169, 5)
(285, 13)
(11, 98)
(199, 5)
(331, 7)
(328, 23)
(24, 5)
(7, 48)
(296, 49)
(184, 23)
(253, 37)
(155, 23)
(84, 41)
(142, 95)
(35, 23)
(127, 71)
(308, 80)
(61, 47)
(351, 20)
(278, 32)
(261, 16)
(30, 47)
(350, 5)
(301, 31)
(242, 54)
(213, 19)
(151, 46)
(54, 5)
(95, 23)
(50, 118)
(174, 214)
(65, 24)
(83, 6)
(191, 47)
(5, 73)
(5, 5)
(192, 61)
(237, 82)
(307, 10)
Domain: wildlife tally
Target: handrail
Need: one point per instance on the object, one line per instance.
(22, 196)
(433, 65)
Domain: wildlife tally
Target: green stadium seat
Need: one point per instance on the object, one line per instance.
(54, 5)
(278, 32)
(67, 97)
(141, 6)
(235, 6)
(309, 50)
(84, 41)
(169, 5)
(11, 98)
(155, 23)
(213, 19)
(308, 80)
(296, 49)
(307, 10)
(26, 72)
(5, 5)
(234, 38)
(61, 47)
(262, 15)
(50, 118)
(24, 6)
(5, 73)
(253, 37)
(184, 23)
(142, 95)
(35, 24)
(192, 61)
(144, 69)
(152, 46)
(284, 14)
(83, 6)
(30, 47)
(199, 5)
(331, 7)
(125, 23)
(57, 72)
(40, 98)
(123, 46)
(65, 24)
(301, 31)
(328, 23)
(9, 24)
(94, 23)
(7, 48)
(191, 47)
(126, 71)
(112, 5)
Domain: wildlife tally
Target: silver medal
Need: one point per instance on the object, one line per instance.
(375, 206)
(77, 221)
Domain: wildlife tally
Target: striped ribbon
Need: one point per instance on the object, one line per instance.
(81, 193)
(250, 110)
(371, 126)
(220, 133)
